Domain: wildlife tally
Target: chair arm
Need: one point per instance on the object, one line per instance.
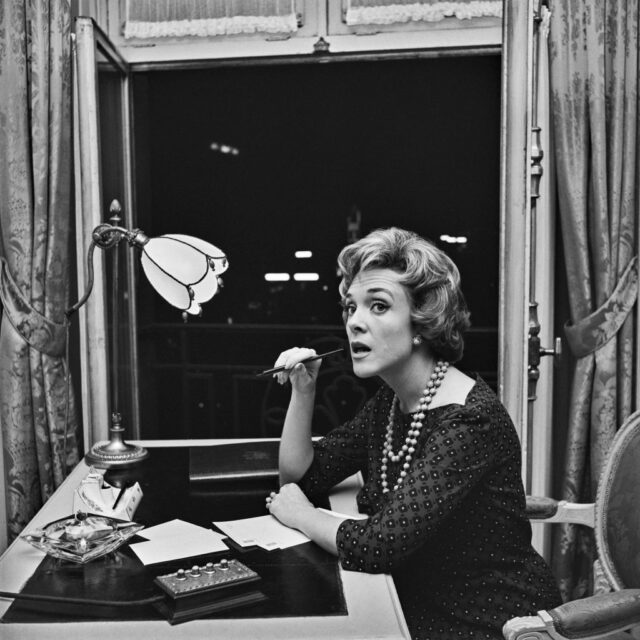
(549, 510)
(583, 619)
(540, 507)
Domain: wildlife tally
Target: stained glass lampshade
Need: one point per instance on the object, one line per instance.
(184, 270)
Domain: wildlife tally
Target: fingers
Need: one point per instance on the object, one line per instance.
(290, 359)
(269, 500)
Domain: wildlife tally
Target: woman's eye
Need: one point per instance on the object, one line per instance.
(379, 307)
(347, 308)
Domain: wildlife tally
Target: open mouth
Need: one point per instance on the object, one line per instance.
(359, 349)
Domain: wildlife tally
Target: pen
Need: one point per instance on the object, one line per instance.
(311, 359)
(120, 494)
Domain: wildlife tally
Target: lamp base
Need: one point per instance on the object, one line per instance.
(104, 455)
(116, 453)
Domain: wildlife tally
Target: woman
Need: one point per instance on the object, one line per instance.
(438, 452)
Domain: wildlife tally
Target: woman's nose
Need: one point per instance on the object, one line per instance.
(355, 322)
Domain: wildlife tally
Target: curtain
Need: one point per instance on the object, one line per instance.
(35, 212)
(363, 12)
(593, 48)
(202, 18)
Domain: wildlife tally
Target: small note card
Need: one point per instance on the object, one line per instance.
(262, 531)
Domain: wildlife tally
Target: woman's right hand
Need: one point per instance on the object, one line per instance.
(302, 375)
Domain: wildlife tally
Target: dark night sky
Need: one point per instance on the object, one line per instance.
(412, 143)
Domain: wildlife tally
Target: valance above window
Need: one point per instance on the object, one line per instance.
(146, 19)
(362, 12)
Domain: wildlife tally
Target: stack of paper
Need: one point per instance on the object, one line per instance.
(176, 539)
(262, 531)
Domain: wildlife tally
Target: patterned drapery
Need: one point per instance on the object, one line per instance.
(202, 18)
(363, 12)
(35, 212)
(593, 47)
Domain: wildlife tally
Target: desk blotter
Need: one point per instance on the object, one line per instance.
(299, 581)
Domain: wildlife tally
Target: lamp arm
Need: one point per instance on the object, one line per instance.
(108, 235)
(71, 310)
(105, 236)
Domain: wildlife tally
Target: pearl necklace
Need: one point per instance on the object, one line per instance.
(408, 448)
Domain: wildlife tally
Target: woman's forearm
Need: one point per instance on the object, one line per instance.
(296, 448)
(322, 528)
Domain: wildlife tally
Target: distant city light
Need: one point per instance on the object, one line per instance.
(453, 239)
(277, 277)
(224, 148)
(306, 277)
(303, 254)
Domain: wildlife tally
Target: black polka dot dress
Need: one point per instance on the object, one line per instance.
(454, 535)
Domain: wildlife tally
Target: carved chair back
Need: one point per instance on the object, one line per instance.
(617, 517)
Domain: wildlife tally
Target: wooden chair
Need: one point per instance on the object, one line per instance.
(615, 517)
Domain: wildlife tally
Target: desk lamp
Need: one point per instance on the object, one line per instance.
(184, 270)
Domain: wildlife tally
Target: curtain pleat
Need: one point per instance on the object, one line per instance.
(37, 410)
(593, 47)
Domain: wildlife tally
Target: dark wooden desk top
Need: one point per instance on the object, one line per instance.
(341, 604)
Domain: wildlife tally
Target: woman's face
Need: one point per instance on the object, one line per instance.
(378, 323)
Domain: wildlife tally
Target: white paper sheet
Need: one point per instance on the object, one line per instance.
(264, 531)
(171, 529)
(176, 539)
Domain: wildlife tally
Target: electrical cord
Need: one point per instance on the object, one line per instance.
(67, 400)
(67, 367)
(86, 601)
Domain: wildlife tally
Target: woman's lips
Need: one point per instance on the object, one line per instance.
(359, 350)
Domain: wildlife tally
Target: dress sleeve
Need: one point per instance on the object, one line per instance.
(339, 454)
(452, 461)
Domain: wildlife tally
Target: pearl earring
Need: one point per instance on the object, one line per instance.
(417, 340)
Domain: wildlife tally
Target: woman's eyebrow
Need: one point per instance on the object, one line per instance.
(380, 290)
(370, 291)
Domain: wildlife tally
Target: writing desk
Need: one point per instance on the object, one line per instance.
(372, 607)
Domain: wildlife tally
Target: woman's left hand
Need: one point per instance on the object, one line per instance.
(289, 505)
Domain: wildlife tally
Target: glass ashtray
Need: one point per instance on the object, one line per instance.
(82, 537)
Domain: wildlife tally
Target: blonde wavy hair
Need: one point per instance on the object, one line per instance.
(438, 309)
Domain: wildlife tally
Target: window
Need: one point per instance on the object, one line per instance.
(269, 160)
